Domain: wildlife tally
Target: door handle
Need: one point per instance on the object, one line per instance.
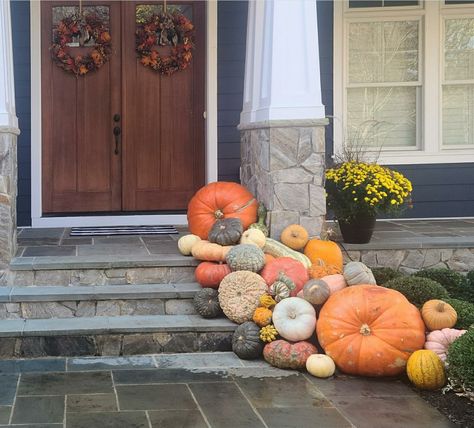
(117, 131)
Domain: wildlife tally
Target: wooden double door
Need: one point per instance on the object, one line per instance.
(122, 138)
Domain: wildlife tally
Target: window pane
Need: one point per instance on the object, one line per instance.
(383, 52)
(381, 3)
(382, 117)
(459, 1)
(459, 49)
(144, 11)
(458, 114)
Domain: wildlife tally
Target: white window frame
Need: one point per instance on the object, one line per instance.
(431, 15)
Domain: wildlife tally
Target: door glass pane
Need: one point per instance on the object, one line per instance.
(61, 12)
(459, 49)
(381, 3)
(383, 51)
(382, 117)
(144, 11)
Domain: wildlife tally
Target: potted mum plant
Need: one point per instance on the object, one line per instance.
(357, 191)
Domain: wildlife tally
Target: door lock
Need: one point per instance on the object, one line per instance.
(117, 131)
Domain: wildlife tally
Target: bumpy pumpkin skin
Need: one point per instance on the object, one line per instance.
(439, 341)
(245, 257)
(210, 274)
(286, 355)
(239, 295)
(292, 268)
(370, 330)
(438, 314)
(426, 370)
(226, 231)
(220, 200)
(327, 251)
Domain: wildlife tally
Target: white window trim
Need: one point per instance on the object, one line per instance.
(431, 14)
(37, 218)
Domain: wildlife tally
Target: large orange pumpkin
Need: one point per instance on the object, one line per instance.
(369, 330)
(220, 200)
(327, 251)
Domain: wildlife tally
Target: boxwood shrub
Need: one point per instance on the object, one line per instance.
(460, 362)
(465, 311)
(417, 290)
(384, 274)
(457, 285)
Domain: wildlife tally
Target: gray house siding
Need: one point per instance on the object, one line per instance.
(445, 190)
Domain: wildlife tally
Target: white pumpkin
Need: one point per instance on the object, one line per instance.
(320, 365)
(254, 237)
(356, 273)
(295, 319)
(186, 243)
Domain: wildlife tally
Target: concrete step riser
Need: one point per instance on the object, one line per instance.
(114, 344)
(91, 308)
(100, 276)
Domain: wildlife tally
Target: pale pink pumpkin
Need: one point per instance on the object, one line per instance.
(336, 282)
(440, 340)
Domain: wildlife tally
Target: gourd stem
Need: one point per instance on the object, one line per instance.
(365, 330)
(440, 307)
(218, 214)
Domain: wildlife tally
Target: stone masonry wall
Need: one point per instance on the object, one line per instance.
(8, 191)
(283, 166)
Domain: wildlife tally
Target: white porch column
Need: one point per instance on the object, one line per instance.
(8, 137)
(282, 120)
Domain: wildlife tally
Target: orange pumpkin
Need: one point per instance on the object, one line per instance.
(292, 268)
(319, 269)
(210, 274)
(220, 200)
(369, 330)
(294, 236)
(327, 251)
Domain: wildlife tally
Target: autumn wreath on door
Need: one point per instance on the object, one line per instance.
(81, 30)
(171, 29)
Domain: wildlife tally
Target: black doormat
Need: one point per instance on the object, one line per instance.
(123, 230)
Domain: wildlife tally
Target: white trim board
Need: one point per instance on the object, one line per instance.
(37, 219)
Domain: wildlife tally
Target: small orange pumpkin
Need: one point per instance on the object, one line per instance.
(294, 236)
(268, 258)
(438, 314)
(319, 269)
(262, 316)
(327, 251)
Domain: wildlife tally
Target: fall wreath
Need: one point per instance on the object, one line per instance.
(165, 29)
(85, 29)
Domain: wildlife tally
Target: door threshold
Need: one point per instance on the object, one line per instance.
(117, 220)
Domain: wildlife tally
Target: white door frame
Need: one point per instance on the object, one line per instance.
(37, 218)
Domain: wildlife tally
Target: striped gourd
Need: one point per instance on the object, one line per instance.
(277, 249)
(426, 370)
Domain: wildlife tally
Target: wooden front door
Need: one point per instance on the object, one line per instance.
(156, 163)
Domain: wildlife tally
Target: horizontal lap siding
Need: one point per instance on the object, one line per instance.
(20, 11)
(232, 31)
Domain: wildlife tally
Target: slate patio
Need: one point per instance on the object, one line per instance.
(198, 390)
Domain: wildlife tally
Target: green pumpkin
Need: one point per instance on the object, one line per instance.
(282, 287)
(206, 303)
(245, 257)
(246, 342)
(226, 231)
(262, 215)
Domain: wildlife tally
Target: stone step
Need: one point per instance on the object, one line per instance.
(121, 335)
(100, 270)
(103, 300)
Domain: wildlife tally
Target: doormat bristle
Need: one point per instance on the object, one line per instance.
(123, 230)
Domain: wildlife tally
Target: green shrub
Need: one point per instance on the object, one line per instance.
(384, 274)
(417, 290)
(460, 363)
(457, 285)
(465, 311)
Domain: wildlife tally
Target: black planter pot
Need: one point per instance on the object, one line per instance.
(357, 231)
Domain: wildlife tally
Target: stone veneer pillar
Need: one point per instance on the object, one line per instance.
(8, 140)
(283, 119)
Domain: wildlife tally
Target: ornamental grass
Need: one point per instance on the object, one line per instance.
(359, 188)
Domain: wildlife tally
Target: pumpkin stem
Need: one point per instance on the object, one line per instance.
(218, 214)
(365, 330)
(440, 306)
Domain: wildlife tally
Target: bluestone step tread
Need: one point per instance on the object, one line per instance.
(113, 325)
(97, 292)
(101, 262)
